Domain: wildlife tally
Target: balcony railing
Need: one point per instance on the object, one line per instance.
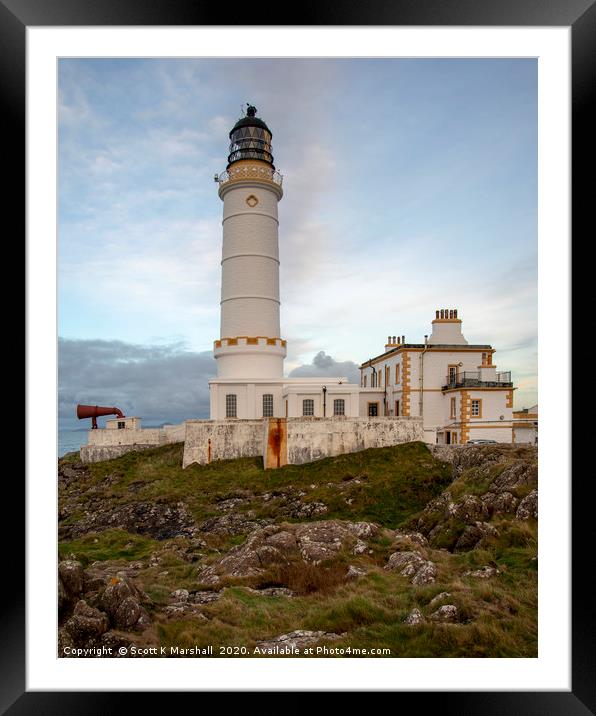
(241, 173)
(471, 379)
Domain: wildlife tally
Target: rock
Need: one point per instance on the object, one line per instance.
(284, 540)
(304, 510)
(411, 536)
(446, 613)
(231, 504)
(366, 530)
(482, 573)
(62, 598)
(185, 610)
(72, 576)
(439, 598)
(204, 597)
(297, 639)
(121, 601)
(314, 542)
(86, 623)
(426, 574)
(434, 512)
(274, 592)
(469, 509)
(412, 564)
(414, 617)
(160, 521)
(473, 535)
(355, 572)
(528, 507)
(504, 503)
(65, 640)
(236, 523)
(359, 547)
(180, 595)
(322, 540)
(114, 640)
(519, 474)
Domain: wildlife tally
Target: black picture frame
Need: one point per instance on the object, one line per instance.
(580, 15)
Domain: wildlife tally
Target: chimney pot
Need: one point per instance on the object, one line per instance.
(437, 312)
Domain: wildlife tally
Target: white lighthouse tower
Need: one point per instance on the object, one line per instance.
(250, 351)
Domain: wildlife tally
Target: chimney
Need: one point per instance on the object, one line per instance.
(446, 328)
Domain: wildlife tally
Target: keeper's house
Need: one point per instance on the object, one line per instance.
(453, 385)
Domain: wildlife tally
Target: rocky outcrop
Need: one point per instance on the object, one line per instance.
(473, 535)
(506, 472)
(121, 600)
(71, 581)
(415, 617)
(86, 624)
(235, 523)
(298, 639)
(92, 605)
(312, 542)
(446, 613)
(157, 520)
(528, 507)
(413, 564)
(482, 573)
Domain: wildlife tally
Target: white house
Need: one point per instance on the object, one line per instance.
(453, 385)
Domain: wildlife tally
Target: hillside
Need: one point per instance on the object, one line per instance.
(415, 552)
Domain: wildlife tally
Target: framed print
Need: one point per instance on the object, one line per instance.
(227, 456)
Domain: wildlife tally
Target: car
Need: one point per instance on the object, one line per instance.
(481, 442)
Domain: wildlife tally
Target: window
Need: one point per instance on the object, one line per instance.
(365, 377)
(373, 410)
(121, 425)
(476, 411)
(267, 405)
(453, 371)
(452, 407)
(231, 405)
(397, 373)
(397, 408)
(387, 375)
(380, 375)
(339, 406)
(308, 406)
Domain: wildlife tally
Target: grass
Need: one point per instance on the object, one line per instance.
(108, 545)
(389, 486)
(393, 482)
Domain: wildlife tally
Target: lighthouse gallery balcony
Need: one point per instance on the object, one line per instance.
(242, 173)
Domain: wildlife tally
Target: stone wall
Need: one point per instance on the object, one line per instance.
(97, 453)
(106, 444)
(143, 436)
(208, 440)
(310, 439)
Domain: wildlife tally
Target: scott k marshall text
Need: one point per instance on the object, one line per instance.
(289, 650)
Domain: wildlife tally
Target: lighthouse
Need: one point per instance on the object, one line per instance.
(250, 351)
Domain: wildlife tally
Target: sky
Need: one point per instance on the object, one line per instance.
(409, 185)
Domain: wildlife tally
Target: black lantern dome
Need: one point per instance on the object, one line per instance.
(250, 138)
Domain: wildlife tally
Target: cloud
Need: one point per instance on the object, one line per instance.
(324, 365)
(159, 383)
